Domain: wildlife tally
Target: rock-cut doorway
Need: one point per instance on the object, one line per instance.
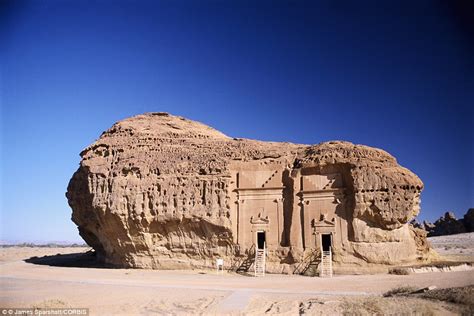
(326, 242)
(261, 239)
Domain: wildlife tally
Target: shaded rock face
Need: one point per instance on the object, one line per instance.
(160, 191)
(468, 220)
(448, 224)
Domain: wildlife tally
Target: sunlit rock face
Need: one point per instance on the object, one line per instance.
(164, 192)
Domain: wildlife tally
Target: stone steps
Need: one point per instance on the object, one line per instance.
(326, 264)
(260, 262)
(269, 179)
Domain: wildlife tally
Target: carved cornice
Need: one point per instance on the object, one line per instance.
(336, 194)
(259, 189)
(260, 193)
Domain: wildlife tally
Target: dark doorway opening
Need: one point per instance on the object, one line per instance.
(326, 241)
(261, 240)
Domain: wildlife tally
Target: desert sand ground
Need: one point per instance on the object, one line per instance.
(148, 292)
(458, 247)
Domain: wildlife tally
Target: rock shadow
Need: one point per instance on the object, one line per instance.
(71, 260)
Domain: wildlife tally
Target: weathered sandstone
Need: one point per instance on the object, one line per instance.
(164, 192)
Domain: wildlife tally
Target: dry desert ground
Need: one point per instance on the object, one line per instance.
(148, 292)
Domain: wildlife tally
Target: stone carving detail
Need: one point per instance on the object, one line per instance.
(324, 222)
(259, 220)
(161, 191)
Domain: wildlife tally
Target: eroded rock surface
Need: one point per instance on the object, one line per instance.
(161, 191)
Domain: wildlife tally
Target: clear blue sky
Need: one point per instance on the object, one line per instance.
(390, 74)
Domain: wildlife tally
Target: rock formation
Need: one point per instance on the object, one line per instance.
(468, 220)
(448, 224)
(164, 192)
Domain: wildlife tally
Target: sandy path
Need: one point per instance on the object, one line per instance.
(126, 291)
(346, 284)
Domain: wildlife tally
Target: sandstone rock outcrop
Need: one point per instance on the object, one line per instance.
(448, 224)
(161, 191)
